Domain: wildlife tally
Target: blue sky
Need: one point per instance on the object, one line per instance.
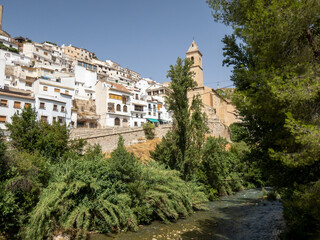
(143, 35)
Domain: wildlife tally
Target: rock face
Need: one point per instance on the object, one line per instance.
(62, 237)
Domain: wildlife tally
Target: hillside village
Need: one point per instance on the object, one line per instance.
(70, 85)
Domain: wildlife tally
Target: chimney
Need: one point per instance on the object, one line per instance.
(1, 13)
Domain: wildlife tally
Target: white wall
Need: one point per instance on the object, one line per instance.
(9, 111)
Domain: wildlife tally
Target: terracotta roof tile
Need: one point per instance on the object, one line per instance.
(118, 87)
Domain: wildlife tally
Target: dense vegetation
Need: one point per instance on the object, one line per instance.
(55, 187)
(208, 160)
(274, 50)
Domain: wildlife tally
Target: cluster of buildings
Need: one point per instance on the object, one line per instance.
(70, 85)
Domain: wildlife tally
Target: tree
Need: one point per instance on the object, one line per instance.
(189, 128)
(274, 49)
(24, 129)
(28, 134)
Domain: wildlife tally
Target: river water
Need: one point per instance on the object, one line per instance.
(242, 216)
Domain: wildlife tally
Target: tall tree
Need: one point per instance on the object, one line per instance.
(274, 49)
(186, 139)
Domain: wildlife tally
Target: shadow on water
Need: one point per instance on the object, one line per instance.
(241, 216)
(261, 220)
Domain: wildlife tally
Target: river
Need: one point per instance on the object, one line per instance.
(242, 216)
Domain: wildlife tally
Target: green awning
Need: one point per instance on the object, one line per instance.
(153, 120)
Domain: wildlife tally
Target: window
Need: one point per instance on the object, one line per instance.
(137, 115)
(125, 108)
(159, 106)
(4, 103)
(3, 119)
(141, 116)
(149, 113)
(154, 114)
(67, 92)
(110, 107)
(62, 109)
(137, 96)
(45, 88)
(135, 124)
(26, 105)
(46, 54)
(42, 105)
(124, 100)
(55, 107)
(125, 123)
(117, 122)
(149, 93)
(57, 90)
(118, 107)
(114, 96)
(29, 84)
(61, 120)
(37, 49)
(54, 119)
(44, 118)
(138, 108)
(17, 104)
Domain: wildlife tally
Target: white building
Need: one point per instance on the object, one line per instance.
(113, 104)
(138, 108)
(37, 53)
(53, 99)
(11, 102)
(85, 80)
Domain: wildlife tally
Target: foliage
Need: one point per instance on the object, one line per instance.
(302, 212)
(220, 168)
(28, 134)
(102, 195)
(274, 49)
(189, 122)
(4, 47)
(24, 176)
(238, 132)
(49, 43)
(149, 130)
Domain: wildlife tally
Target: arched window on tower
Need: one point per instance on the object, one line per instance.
(119, 108)
(192, 59)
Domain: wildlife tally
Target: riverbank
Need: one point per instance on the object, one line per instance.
(245, 215)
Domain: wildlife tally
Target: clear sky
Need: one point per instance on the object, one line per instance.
(146, 36)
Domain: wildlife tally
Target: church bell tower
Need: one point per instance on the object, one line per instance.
(195, 55)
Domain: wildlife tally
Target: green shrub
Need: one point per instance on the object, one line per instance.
(238, 132)
(302, 212)
(219, 168)
(149, 130)
(25, 175)
(103, 195)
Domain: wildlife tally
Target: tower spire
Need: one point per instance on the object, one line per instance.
(195, 55)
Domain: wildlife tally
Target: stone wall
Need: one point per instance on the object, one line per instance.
(107, 138)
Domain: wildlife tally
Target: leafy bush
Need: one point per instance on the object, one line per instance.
(149, 130)
(103, 195)
(24, 176)
(238, 132)
(302, 212)
(219, 169)
(51, 140)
